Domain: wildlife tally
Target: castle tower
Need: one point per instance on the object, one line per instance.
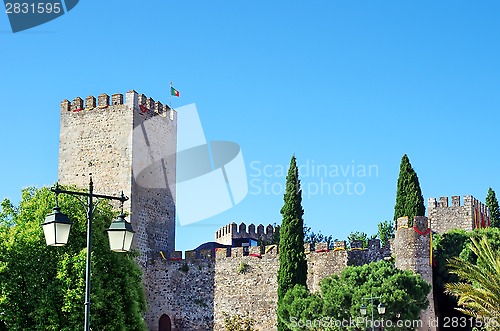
(231, 233)
(412, 247)
(468, 216)
(128, 145)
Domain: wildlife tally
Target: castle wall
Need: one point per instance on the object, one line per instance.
(467, 216)
(253, 293)
(183, 290)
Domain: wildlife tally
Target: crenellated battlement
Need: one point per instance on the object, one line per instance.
(456, 201)
(133, 100)
(271, 251)
(467, 214)
(227, 233)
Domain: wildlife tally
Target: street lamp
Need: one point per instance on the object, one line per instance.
(380, 308)
(57, 226)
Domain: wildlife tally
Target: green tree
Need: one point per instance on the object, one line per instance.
(359, 235)
(42, 288)
(300, 308)
(492, 203)
(292, 260)
(403, 292)
(478, 289)
(409, 200)
(311, 237)
(446, 246)
(385, 232)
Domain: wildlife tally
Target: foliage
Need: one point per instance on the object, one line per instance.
(454, 244)
(300, 306)
(184, 268)
(274, 240)
(493, 236)
(357, 235)
(313, 238)
(243, 267)
(445, 247)
(478, 289)
(403, 292)
(42, 288)
(409, 199)
(292, 261)
(385, 232)
(492, 203)
(238, 322)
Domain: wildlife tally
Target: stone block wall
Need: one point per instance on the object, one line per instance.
(246, 285)
(468, 216)
(254, 291)
(413, 251)
(129, 145)
(182, 290)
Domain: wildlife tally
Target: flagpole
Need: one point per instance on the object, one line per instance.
(170, 95)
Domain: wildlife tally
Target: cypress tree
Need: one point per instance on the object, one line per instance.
(409, 200)
(492, 203)
(292, 260)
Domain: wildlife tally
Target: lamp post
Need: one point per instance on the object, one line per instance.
(57, 226)
(380, 308)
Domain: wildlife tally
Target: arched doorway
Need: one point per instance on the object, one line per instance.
(165, 324)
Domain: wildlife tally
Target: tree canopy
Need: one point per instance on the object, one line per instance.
(478, 289)
(492, 203)
(456, 244)
(359, 235)
(402, 292)
(385, 232)
(42, 287)
(311, 237)
(409, 199)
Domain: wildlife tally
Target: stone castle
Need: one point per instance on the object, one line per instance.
(129, 144)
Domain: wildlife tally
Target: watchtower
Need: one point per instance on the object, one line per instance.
(128, 145)
(412, 247)
(470, 215)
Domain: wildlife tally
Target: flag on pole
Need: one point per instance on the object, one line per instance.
(174, 92)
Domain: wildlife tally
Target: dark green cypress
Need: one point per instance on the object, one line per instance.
(492, 203)
(292, 260)
(409, 200)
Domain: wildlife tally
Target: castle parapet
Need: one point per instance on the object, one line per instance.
(356, 244)
(139, 102)
(402, 222)
(227, 233)
(466, 214)
(90, 102)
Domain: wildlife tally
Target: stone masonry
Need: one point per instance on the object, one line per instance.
(196, 292)
(227, 233)
(412, 247)
(468, 216)
(128, 145)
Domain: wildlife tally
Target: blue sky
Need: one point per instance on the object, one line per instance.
(337, 83)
